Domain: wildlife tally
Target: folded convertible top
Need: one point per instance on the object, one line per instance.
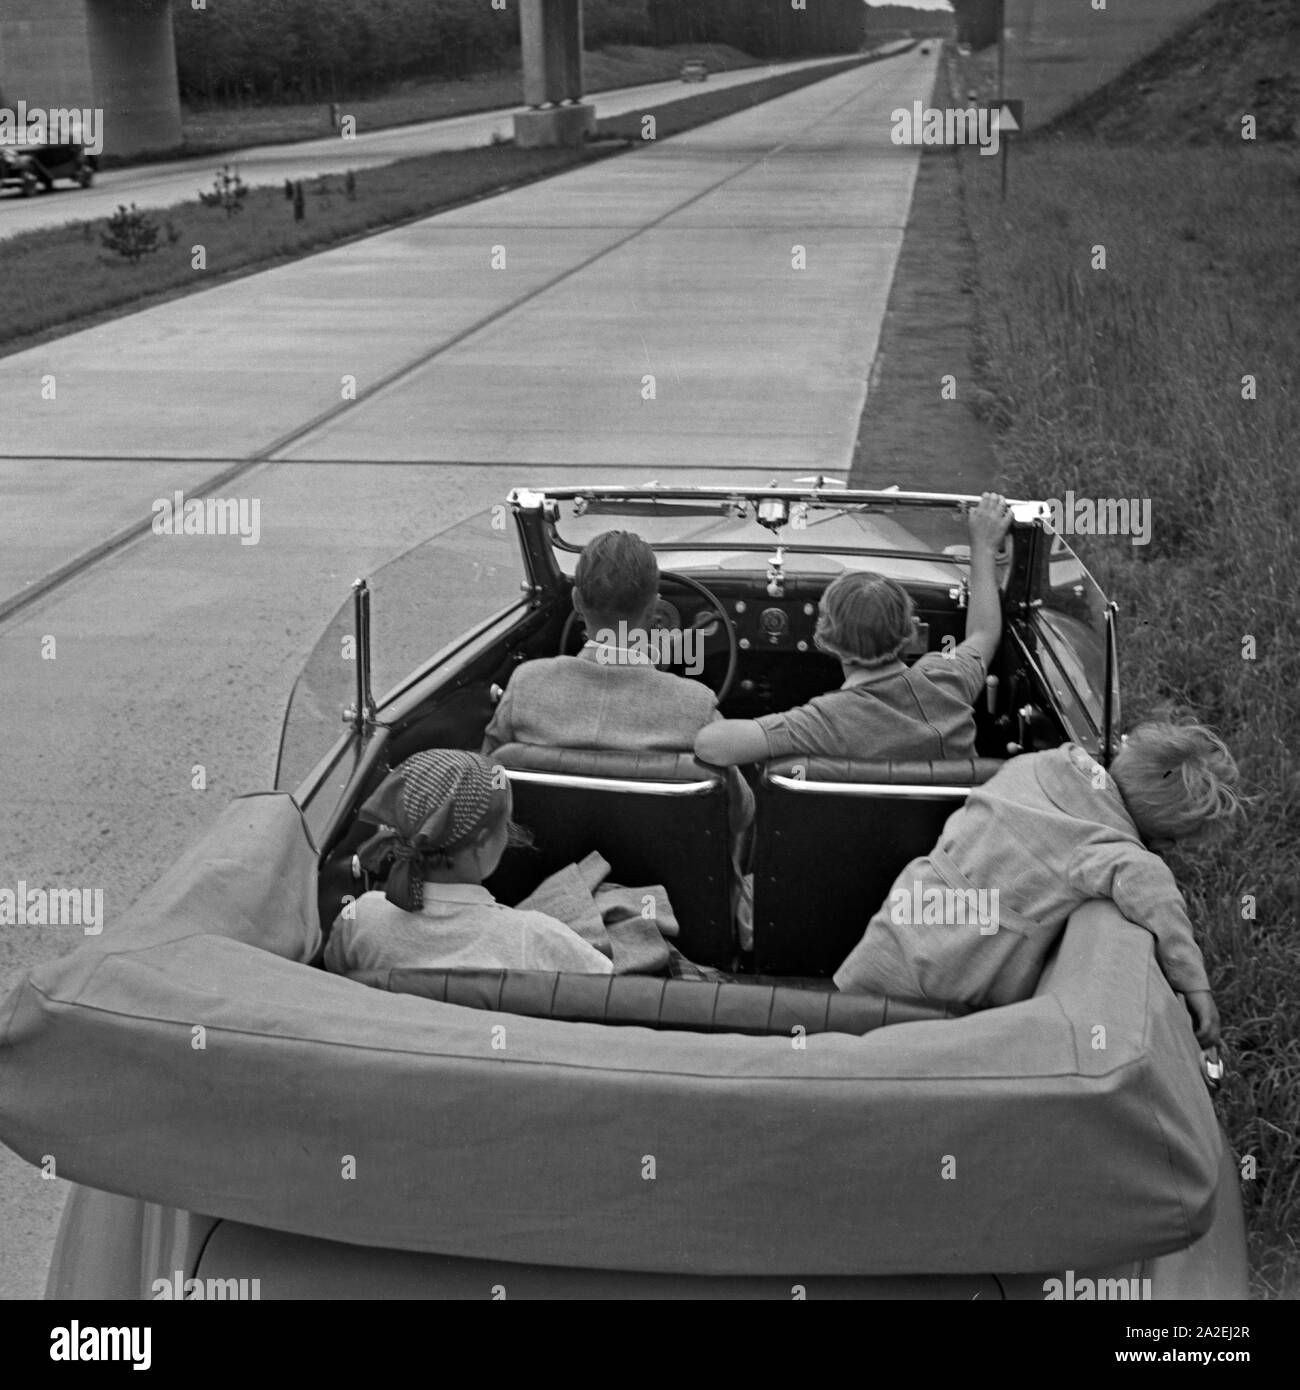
(191, 1058)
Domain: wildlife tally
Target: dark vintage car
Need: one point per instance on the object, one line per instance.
(31, 167)
(229, 1111)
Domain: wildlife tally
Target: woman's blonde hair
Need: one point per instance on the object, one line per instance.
(1178, 780)
(865, 619)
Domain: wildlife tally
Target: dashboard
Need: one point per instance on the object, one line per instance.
(780, 665)
(765, 624)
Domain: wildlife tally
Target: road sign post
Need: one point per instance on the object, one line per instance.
(1008, 118)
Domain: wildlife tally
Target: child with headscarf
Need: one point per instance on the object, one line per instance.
(444, 823)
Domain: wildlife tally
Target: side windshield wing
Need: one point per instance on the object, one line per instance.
(421, 603)
(1072, 623)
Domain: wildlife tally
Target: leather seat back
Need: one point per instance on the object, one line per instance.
(658, 818)
(833, 835)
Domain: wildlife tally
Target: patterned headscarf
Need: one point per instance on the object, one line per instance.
(432, 804)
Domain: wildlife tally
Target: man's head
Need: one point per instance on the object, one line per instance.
(617, 581)
(1178, 781)
(865, 619)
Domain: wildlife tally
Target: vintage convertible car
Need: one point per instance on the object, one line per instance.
(229, 1111)
(29, 167)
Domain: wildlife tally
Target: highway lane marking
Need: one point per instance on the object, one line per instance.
(303, 434)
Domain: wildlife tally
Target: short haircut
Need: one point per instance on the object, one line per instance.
(1178, 780)
(865, 618)
(617, 576)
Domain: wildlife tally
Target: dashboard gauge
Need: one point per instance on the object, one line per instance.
(707, 622)
(774, 623)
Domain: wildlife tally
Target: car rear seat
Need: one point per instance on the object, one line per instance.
(833, 835)
(658, 818)
(649, 1002)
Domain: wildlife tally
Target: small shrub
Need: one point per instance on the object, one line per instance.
(130, 233)
(228, 191)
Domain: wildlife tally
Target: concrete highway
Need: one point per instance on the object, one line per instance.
(677, 262)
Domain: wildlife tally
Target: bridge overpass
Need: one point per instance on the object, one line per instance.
(116, 56)
(119, 57)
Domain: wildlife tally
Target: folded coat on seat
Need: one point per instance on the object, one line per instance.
(629, 925)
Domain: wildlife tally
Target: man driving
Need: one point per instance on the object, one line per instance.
(612, 696)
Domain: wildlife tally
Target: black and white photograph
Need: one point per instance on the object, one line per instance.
(650, 650)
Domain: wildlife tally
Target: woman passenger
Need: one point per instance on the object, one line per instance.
(885, 709)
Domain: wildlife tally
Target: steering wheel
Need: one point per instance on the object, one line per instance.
(728, 627)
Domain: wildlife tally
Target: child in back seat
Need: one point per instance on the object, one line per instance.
(884, 709)
(444, 823)
(1048, 832)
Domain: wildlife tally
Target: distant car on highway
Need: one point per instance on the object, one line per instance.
(29, 167)
(694, 71)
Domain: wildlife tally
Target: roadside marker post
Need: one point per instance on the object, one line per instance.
(1009, 118)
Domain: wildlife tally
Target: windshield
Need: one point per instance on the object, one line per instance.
(921, 544)
(421, 601)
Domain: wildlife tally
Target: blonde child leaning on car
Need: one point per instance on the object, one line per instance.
(1050, 831)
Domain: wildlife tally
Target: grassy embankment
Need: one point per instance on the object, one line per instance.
(58, 279)
(212, 131)
(1128, 382)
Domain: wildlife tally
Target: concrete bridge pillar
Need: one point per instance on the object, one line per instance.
(115, 56)
(551, 47)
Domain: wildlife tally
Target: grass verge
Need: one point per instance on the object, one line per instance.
(674, 117)
(1129, 382)
(622, 65)
(59, 279)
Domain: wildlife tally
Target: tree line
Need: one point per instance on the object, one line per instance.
(326, 50)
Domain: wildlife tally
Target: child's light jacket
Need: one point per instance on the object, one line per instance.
(1048, 832)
